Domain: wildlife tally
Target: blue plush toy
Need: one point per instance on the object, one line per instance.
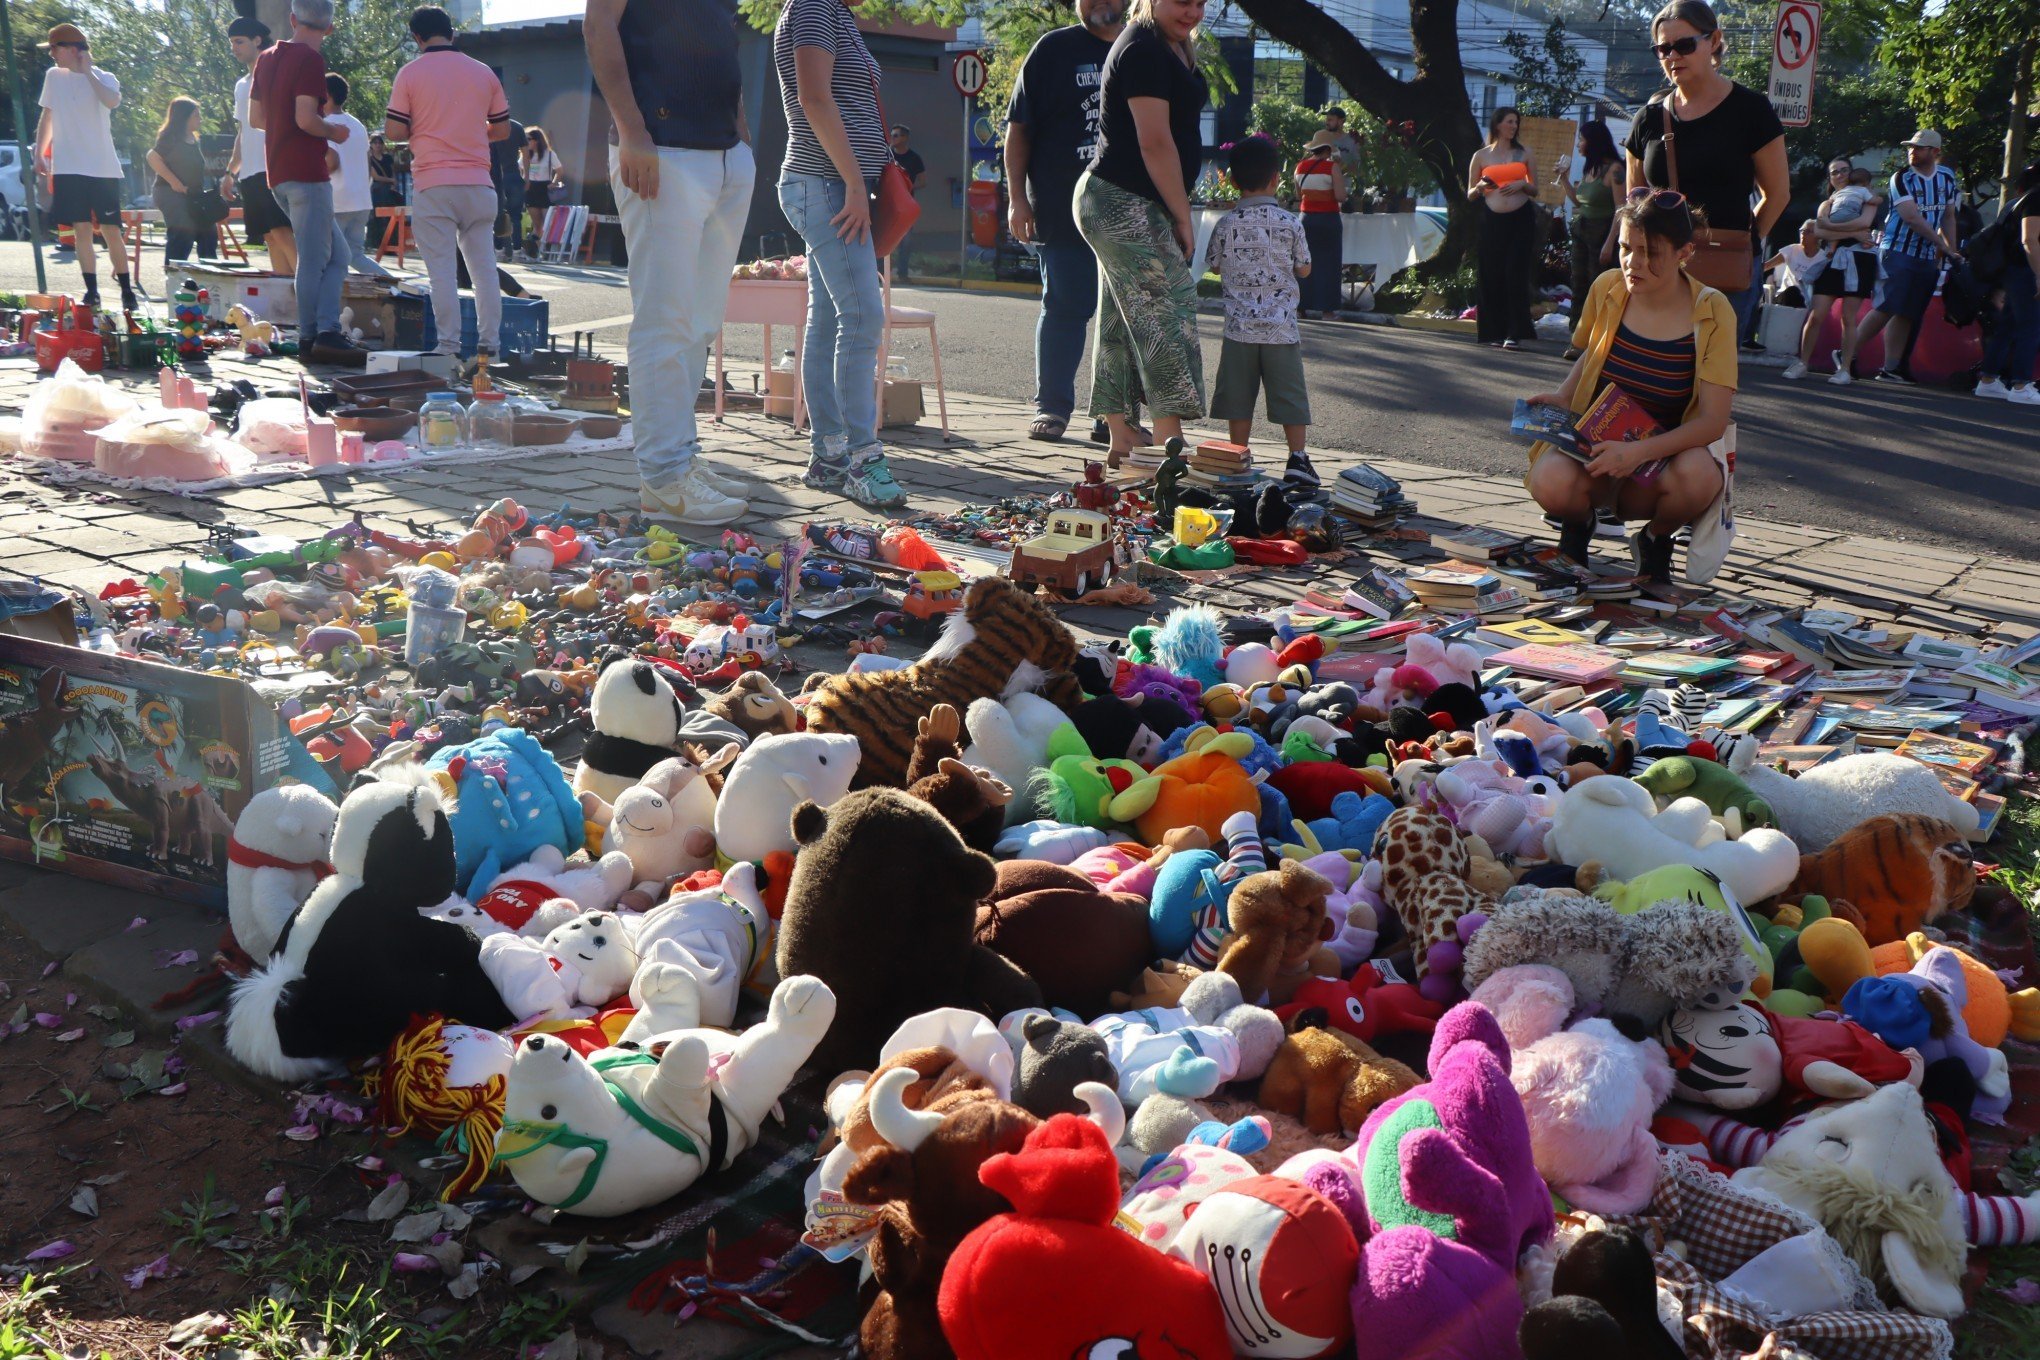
(1185, 885)
(1353, 823)
(1189, 643)
(513, 799)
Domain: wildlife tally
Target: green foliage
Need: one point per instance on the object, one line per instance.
(1549, 74)
(1957, 62)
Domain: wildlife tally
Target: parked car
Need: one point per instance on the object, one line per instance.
(13, 202)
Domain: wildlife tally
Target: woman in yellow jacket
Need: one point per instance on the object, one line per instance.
(1669, 342)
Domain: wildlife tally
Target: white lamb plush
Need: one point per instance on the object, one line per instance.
(1615, 821)
(720, 936)
(1817, 807)
(276, 856)
(665, 822)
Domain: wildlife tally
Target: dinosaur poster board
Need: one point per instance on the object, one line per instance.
(127, 771)
(1549, 141)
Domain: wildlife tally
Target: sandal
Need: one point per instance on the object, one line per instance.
(1048, 428)
(1115, 459)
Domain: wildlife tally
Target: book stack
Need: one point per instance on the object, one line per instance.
(1451, 587)
(1370, 498)
(1472, 543)
(2002, 687)
(1221, 466)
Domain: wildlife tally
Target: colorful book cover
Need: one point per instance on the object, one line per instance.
(1582, 664)
(1616, 418)
(1536, 631)
(1543, 424)
(1943, 751)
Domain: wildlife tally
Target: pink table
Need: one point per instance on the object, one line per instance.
(767, 303)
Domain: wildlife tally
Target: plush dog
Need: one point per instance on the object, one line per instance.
(1615, 822)
(276, 856)
(1328, 1078)
(1278, 928)
(1818, 807)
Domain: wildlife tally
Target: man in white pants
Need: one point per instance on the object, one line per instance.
(682, 170)
(449, 107)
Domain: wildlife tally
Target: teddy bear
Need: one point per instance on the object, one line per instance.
(915, 951)
(636, 716)
(1328, 1078)
(755, 705)
(275, 857)
(624, 1129)
(775, 775)
(1055, 1057)
(1278, 924)
(721, 935)
(1834, 797)
(544, 892)
(358, 960)
(1616, 822)
(973, 800)
(1899, 871)
(1078, 942)
(587, 961)
(665, 823)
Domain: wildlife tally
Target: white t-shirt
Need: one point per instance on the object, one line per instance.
(81, 132)
(1800, 267)
(350, 181)
(253, 147)
(540, 169)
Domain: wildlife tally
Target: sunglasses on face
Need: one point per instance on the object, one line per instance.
(1685, 46)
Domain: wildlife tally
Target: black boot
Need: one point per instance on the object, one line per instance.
(1654, 556)
(1576, 540)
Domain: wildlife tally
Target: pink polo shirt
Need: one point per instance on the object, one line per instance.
(448, 100)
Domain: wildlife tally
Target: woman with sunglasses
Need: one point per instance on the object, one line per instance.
(1728, 140)
(1503, 180)
(1668, 343)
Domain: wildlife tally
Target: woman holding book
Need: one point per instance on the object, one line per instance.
(1502, 178)
(1657, 353)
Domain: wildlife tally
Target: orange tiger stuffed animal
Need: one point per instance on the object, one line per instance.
(1900, 871)
(1001, 642)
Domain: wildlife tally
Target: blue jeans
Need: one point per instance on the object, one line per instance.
(1744, 301)
(322, 254)
(2015, 332)
(846, 313)
(1069, 297)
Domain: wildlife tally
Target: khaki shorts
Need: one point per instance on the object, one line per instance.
(1245, 369)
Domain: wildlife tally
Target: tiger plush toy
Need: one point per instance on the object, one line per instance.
(1900, 871)
(1002, 641)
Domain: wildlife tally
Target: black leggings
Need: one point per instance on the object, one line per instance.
(1589, 234)
(1508, 244)
(1325, 234)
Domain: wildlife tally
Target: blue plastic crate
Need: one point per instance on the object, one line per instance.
(527, 325)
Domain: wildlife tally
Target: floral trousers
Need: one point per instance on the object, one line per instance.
(1145, 346)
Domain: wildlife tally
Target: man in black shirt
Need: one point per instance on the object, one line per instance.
(917, 173)
(1051, 135)
(509, 177)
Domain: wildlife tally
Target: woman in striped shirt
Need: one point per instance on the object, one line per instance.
(1668, 343)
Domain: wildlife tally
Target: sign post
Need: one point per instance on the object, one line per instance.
(967, 73)
(1795, 38)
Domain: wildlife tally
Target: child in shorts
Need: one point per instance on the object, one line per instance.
(1258, 252)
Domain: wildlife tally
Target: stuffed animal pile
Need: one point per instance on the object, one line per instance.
(1227, 996)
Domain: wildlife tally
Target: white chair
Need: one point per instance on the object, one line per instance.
(909, 318)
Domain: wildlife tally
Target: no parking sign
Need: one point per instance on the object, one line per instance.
(1795, 38)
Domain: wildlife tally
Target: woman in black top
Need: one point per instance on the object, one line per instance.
(1133, 209)
(1730, 141)
(2014, 323)
(180, 182)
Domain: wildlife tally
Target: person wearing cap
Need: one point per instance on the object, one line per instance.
(74, 147)
(917, 174)
(1922, 230)
(285, 102)
(247, 178)
(1320, 194)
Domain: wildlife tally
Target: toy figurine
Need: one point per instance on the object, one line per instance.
(190, 314)
(1173, 469)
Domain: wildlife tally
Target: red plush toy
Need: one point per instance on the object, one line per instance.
(1311, 785)
(1054, 1278)
(1365, 1005)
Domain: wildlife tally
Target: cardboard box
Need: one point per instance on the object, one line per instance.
(131, 772)
(779, 394)
(903, 404)
(30, 609)
(396, 361)
(269, 297)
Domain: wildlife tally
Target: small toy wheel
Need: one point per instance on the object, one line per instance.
(1083, 584)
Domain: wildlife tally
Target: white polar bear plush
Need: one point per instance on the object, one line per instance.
(1818, 806)
(579, 968)
(540, 895)
(665, 822)
(276, 856)
(1615, 821)
(1010, 739)
(719, 935)
(570, 1142)
(754, 816)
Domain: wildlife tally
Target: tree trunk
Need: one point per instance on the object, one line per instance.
(276, 14)
(1435, 100)
(2015, 130)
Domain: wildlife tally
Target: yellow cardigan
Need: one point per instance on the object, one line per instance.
(1714, 337)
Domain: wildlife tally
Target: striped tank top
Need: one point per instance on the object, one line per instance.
(1656, 374)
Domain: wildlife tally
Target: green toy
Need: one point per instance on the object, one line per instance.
(1084, 790)
(1692, 884)
(1802, 992)
(1712, 783)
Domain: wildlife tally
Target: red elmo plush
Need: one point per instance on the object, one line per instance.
(1364, 1006)
(1054, 1278)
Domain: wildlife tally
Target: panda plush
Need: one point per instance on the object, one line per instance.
(637, 716)
(358, 960)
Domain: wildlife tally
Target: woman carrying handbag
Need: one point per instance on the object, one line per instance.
(191, 210)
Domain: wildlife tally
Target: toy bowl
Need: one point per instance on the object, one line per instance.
(375, 423)
(541, 429)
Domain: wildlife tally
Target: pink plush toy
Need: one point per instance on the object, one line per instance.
(1446, 662)
(1403, 684)
(1588, 1092)
(1489, 802)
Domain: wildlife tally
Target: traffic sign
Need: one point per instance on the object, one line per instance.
(1795, 38)
(968, 73)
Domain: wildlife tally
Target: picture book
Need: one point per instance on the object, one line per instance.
(1377, 593)
(1528, 631)
(1616, 418)
(1581, 663)
(1948, 752)
(1553, 425)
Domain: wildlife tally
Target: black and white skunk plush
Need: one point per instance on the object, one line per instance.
(637, 716)
(357, 961)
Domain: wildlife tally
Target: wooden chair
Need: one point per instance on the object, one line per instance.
(396, 234)
(909, 318)
(230, 238)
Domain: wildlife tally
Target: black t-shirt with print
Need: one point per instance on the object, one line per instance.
(1056, 99)
(1717, 169)
(1143, 65)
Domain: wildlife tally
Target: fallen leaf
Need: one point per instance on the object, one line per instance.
(198, 1327)
(466, 1281)
(138, 923)
(576, 1258)
(562, 1347)
(112, 1178)
(85, 1200)
(389, 1202)
(157, 1269)
(120, 1038)
(416, 1227)
(71, 1036)
(455, 1217)
(54, 1251)
(520, 1274)
(2023, 1291)
(448, 1254)
(110, 1014)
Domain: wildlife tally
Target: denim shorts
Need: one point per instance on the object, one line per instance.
(1904, 285)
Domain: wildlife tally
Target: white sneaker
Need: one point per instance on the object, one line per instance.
(718, 480)
(1840, 377)
(2024, 396)
(691, 500)
(1794, 370)
(1993, 387)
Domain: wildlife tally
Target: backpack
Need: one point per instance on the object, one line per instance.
(1990, 251)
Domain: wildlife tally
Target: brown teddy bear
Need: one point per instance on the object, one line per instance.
(1328, 1079)
(881, 906)
(755, 705)
(1163, 984)
(973, 799)
(1078, 942)
(1278, 928)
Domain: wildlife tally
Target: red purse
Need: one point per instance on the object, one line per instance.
(894, 209)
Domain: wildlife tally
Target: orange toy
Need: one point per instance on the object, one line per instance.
(1200, 788)
(1900, 871)
(492, 527)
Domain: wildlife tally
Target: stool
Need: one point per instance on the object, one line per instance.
(396, 234)
(230, 237)
(908, 319)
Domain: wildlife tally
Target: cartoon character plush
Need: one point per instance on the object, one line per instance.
(754, 704)
(1713, 784)
(1615, 822)
(1112, 1294)
(276, 856)
(541, 894)
(775, 775)
(1199, 788)
(1744, 1057)
(914, 954)
(602, 1136)
(1365, 1005)
(1922, 1009)
(446, 1081)
(357, 960)
(1818, 807)
(509, 799)
(722, 936)
(1282, 1259)
(665, 823)
(1190, 1050)
(1084, 790)
(1898, 871)
(636, 716)
(587, 962)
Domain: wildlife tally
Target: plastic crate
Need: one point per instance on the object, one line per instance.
(527, 325)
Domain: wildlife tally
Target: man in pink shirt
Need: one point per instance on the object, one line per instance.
(449, 107)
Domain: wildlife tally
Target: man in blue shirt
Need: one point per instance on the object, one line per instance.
(1921, 230)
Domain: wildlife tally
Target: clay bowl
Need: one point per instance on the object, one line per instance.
(596, 426)
(541, 429)
(375, 423)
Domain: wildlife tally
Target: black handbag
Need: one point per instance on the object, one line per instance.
(208, 207)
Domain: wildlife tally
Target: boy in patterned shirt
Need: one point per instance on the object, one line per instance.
(1258, 252)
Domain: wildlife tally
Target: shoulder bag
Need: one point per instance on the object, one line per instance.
(894, 209)
(1721, 258)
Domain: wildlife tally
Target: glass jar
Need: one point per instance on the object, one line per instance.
(489, 419)
(442, 423)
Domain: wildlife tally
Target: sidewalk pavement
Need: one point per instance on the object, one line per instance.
(86, 536)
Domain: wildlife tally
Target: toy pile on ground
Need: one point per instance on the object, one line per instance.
(1618, 974)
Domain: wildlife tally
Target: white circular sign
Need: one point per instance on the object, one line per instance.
(968, 72)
